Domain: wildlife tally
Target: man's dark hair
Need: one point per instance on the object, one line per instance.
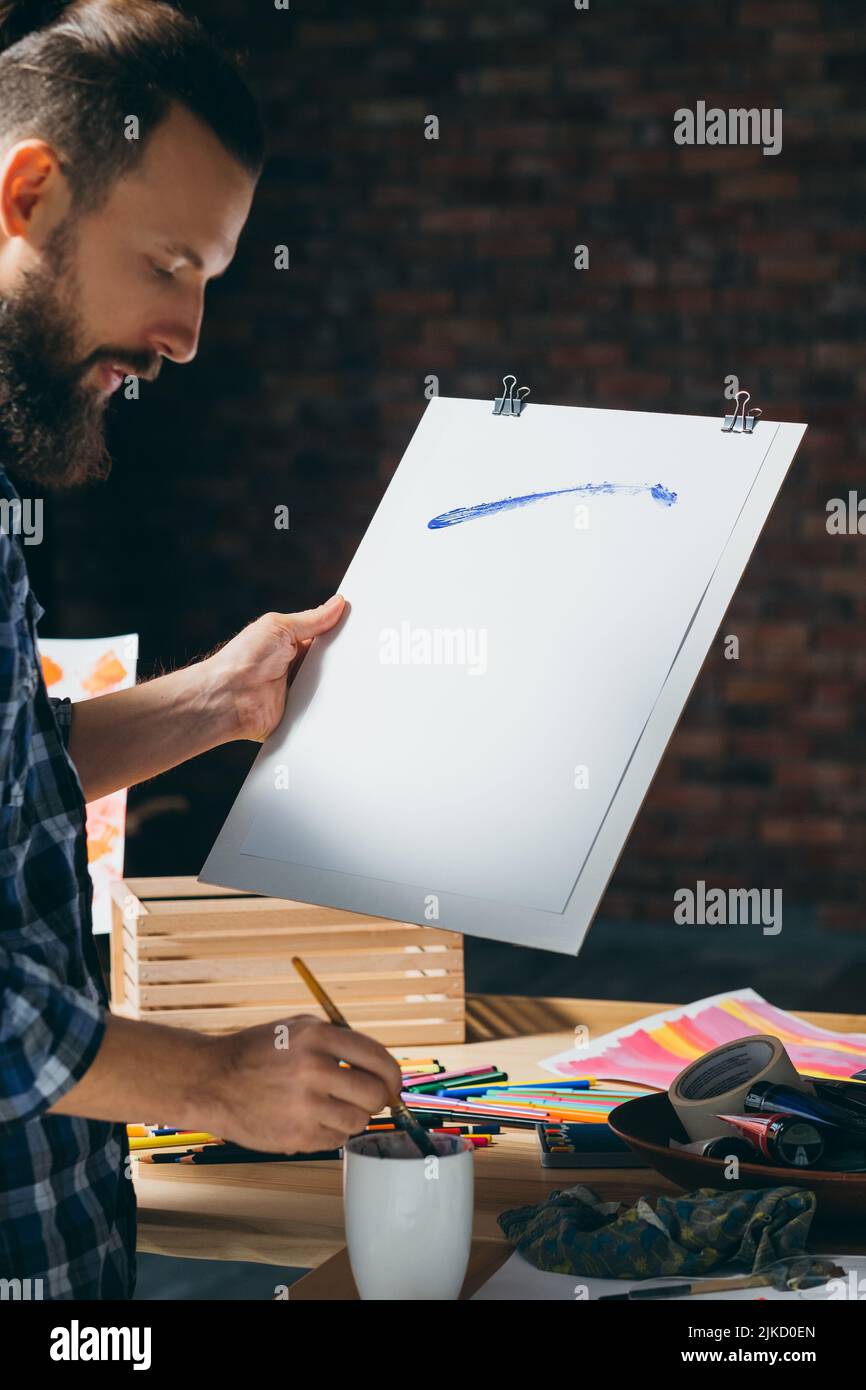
(73, 71)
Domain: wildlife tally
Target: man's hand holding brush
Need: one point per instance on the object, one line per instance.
(296, 1098)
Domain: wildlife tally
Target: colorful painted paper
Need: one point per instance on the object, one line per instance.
(654, 1050)
(80, 670)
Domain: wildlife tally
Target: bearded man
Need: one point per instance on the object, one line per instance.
(107, 244)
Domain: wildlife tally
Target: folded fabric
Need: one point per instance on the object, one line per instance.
(575, 1232)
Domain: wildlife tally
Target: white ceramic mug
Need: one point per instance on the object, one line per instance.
(408, 1218)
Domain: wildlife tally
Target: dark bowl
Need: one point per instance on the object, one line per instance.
(648, 1122)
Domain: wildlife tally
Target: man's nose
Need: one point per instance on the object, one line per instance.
(178, 339)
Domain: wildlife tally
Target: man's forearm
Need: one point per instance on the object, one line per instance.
(281, 1087)
(144, 1071)
(120, 739)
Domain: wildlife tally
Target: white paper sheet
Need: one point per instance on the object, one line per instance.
(461, 778)
(520, 1282)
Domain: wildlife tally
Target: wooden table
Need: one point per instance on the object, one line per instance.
(333, 1281)
(291, 1214)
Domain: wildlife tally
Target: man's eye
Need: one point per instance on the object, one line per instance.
(161, 273)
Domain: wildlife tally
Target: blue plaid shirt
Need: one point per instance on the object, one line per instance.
(67, 1206)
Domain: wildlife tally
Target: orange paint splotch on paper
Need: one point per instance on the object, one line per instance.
(107, 673)
(101, 842)
(51, 672)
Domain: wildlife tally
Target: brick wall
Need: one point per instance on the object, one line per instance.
(454, 257)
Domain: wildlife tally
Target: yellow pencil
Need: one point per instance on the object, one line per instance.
(399, 1110)
(319, 994)
(173, 1141)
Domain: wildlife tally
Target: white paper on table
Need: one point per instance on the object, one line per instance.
(79, 670)
(519, 1281)
(458, 780)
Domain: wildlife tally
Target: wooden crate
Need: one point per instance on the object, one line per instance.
(214, 959)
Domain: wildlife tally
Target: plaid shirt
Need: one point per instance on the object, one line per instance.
(67, 1208)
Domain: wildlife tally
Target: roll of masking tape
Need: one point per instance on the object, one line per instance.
(718, 1082)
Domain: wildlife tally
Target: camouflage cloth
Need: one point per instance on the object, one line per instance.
(575, 1232)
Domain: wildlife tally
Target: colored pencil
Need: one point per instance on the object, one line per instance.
(458, 1074)
(235, 1154)
(443, 1084)
(173, 1141)
(173, 1157)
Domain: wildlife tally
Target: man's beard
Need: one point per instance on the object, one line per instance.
(52, 428)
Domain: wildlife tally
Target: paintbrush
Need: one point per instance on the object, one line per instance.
(400, 1113)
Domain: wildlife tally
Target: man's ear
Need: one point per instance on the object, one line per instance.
(34, 192)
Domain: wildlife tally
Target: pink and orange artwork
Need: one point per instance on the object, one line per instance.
(108, 674)
(82, 670)
(653, 1051)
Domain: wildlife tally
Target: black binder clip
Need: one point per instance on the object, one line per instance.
(511, 401)
(740, 422)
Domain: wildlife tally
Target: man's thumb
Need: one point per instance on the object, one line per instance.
(313, 621)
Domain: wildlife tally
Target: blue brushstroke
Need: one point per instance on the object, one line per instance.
(659, 494)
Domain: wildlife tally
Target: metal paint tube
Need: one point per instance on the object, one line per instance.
(784, 1139)
(766, 1097)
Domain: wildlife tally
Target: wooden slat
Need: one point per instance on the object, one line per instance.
(295, 994)
(254, 907)
(325, 966)
(117, 962)
(401, 1033)
(360, 1014)
(250, 915)
(291, 938)
(228, 947)
(181, 887)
